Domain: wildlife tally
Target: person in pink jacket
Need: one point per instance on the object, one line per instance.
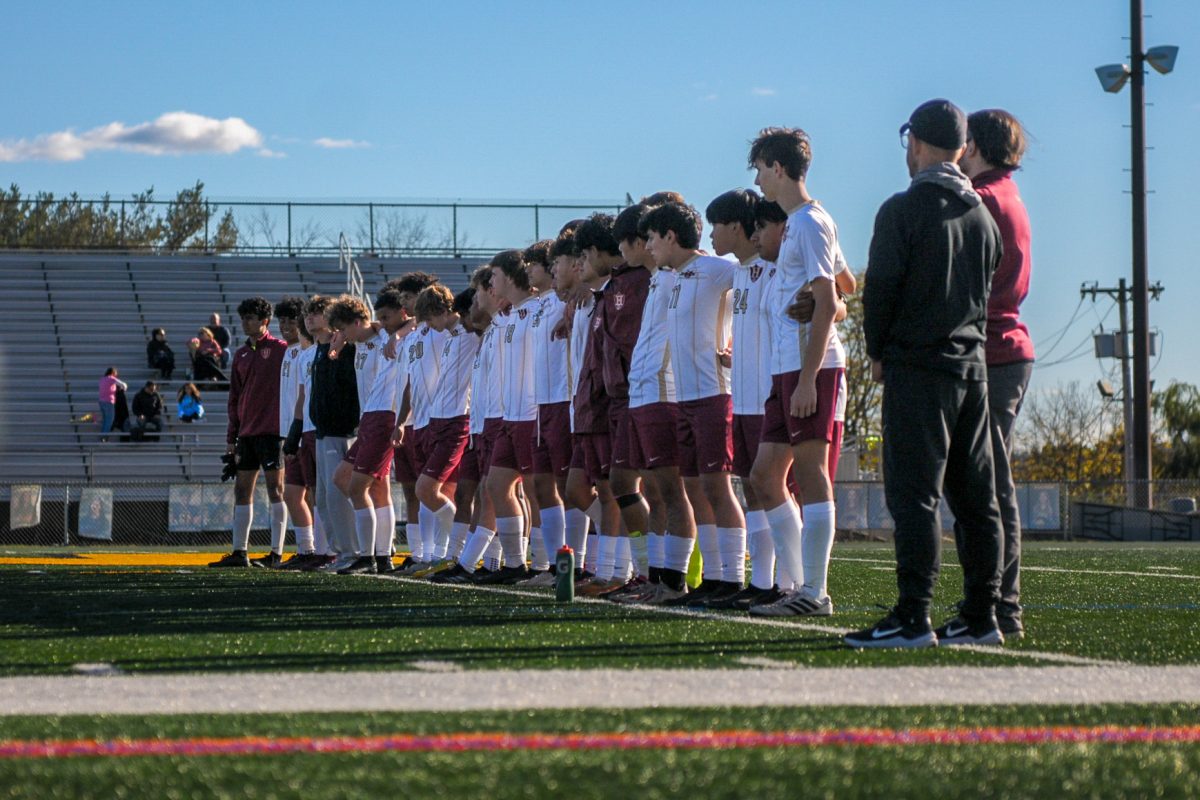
(109, 385)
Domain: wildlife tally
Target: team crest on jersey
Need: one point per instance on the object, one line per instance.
(265, 354)
(691, 273)
(370, 345)
(755, 273)
(771, 273)
(596, 323)
(618, 301)
(522, 313)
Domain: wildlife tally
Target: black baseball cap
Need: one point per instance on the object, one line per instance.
(939, 123)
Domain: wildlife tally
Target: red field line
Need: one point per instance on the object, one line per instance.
(499, 742)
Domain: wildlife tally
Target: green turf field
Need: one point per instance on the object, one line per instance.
(1078, 602)
(978, 771)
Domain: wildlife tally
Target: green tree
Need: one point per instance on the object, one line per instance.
(1178, 410)
(1069, 434)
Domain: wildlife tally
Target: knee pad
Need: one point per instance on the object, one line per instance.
(627, 500)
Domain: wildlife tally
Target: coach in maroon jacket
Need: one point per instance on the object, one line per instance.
(253, 433)
(995, 145)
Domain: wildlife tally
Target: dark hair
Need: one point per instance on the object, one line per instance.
(539, 253)
(999, 136)
(736, 205)
(463, 301)
(682, 219)
(512, 265)
(317, 304)
(597, 231)
(188, 389)
(564, 245)
(570, 228)
(388, 298)
(662, 198)
(110, 371)
(789, 147)
(290, 307)
(411, 282)
(625, 226)
(481, 278)
(254, 307)
(345, 310)
(432, 301)
(156, 332)
(150, 383)
(768, 211)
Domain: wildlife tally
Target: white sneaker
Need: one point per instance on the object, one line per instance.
(543, 580)
(795, 604)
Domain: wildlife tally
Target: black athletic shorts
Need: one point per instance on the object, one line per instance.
(258, 452)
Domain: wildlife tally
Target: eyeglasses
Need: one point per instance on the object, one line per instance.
(904, 139)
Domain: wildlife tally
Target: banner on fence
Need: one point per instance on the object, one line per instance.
(25, 507)
(95, 514)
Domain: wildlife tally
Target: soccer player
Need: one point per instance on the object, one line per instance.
(698, 332)
(552, 441)
(253, 430)
(807, 369)
(449, 425)
(363, 476)
(288, 313)
(300, 461)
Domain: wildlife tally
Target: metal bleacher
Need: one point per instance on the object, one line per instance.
(65, 318)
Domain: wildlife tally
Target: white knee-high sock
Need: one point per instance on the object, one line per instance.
(412, 535)
(304, 539)
(458, 539)
(786, 528)
(364, 530)
(538, 558)
(762, 550)
(654, 550)
(444, 518)
(279, 519)
(816, 545)
(677, 551)
(554, 529)
(591, 553)
(710, 549)
(623, 558)
(385, 529)
(473, 550)
(639, 554)
(494, 555)
(732, 543)
(428, 525)
(576, 524)
(243, 518)
(508, 531)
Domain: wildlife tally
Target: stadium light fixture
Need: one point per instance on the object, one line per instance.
(1113, 76)
(1162, 58)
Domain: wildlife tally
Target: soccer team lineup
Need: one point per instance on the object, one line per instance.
(575, 419)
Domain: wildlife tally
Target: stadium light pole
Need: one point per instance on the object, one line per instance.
(1112, 78)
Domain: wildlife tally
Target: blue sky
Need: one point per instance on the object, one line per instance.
(557, 101)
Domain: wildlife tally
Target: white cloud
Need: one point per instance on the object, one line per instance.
(338, 144)
(174, 133)
(267, 152)
(762, 91)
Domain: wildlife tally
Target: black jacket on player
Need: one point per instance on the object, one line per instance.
(334, 403)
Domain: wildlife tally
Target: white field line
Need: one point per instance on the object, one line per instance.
(294, 692)
(1033, 655)
(1048, 569)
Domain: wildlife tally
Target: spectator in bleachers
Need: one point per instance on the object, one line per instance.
(206, 359)
(221, 333)
(110, 384)
(159, 354)
(190, 403)
(148, 410)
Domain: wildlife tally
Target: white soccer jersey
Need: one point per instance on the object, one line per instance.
(699, 326)
(368, 358)
(289, 383)
(453, 395)
(388, 389)
(580, 326)
(549, 354)
(482, 394)
(304, 371)
(651, 377)
(424, 367)
(516, 362)
(809, 251)
(751, 336)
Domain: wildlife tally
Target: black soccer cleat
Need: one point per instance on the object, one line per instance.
(965, 630)
(296, 562)
(383, 564)
(505, 576)
(741, 600)
(725, 591)
(894, 631)
(456, 574)
(363, 565)
(696, 597)
(237, 558)
(271, 560)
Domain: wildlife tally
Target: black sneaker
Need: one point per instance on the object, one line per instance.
(315, 562)
(237, 558)
(697, 596)
(296, 562)
(505, 576)
(894, 631)
(766, 598)
(404, 564)
(961, 630)
(383, 564)
(271, 560)
(456, 574)
(1012, 627)
(739, 600)
(724, 590)
(363, 565)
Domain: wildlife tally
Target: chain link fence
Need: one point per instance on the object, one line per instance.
(282, 228)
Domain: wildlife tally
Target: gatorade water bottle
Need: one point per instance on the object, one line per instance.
(564, 570)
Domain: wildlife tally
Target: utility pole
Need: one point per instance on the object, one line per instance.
(1141, 298)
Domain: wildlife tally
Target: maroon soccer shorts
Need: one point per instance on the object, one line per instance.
(705, 436)
(468, 467)
(302, 470)
(747, 433)
(780, 427)
(835, 447)
(652, 436)
(619, 435)
(597, 454)
(445, 441)
(514, 446)
(578, 457)
(552, 450)
(486, 443)
(405, 460)
(371, 454)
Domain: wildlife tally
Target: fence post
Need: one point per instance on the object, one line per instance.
(454, 229)
(67, 515)
(371, 225)
(122, 232)
(536, 222)
(289, 243)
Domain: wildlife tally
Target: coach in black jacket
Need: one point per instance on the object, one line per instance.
(334, 411)
(932, 256)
